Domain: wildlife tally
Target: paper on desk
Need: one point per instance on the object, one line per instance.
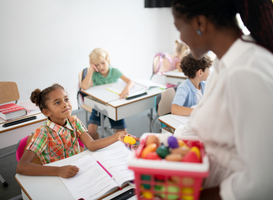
(180, 118)
(117, 88)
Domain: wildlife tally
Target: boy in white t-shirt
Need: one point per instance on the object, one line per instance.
(190, 92)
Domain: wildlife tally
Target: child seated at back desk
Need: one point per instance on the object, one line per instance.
(190, 92)
(58, 137)
(100, 73)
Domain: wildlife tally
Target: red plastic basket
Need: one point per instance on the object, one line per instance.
(160, 179)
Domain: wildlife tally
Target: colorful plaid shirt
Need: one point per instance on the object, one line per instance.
(52, 142)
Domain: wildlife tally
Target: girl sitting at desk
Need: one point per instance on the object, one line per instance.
(190, 92)
(58, 137)
(100, 73)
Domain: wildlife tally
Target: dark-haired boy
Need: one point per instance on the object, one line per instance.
(190, 92)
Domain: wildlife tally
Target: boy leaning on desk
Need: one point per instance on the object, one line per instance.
(99, 73)
(190, 92)
(58, 137)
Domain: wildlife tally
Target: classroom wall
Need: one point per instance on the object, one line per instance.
(46, 42)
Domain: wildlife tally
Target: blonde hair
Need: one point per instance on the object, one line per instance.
(99, 54)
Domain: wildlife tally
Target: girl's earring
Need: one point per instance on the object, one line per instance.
(199, 32)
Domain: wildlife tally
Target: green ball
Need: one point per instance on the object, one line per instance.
(162, 151)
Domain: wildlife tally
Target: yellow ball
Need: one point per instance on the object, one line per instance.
(197, 152)
(130, 140)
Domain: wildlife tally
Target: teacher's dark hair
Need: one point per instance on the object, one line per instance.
(40, 97)
(257, 15)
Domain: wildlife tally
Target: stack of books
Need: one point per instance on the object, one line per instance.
(11, 111)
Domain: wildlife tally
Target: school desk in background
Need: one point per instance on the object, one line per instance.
(109, 104)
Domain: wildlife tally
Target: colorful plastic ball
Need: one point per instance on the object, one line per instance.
(150, 148)
(129, 139)
(197, 152)
(152, 156)
(162, 151)
(152, 139)
(191, 157)
(172, 141)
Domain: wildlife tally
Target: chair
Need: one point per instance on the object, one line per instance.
(22, 144)
(163, 104)
(9, 93)
(21, 148)
(81, 95)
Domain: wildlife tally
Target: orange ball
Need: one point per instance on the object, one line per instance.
(150, 148)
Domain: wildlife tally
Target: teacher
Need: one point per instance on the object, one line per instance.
(235, 117)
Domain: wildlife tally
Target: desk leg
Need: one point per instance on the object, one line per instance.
(102, 125)
(151, 119)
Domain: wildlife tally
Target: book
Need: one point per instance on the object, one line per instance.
(100, 173)
(29, 106)
(11, 110)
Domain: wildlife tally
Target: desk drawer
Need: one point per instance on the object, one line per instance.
(101, 107)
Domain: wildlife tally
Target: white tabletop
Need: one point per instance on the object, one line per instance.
(173, 121)
(12, 134)
(175, 73)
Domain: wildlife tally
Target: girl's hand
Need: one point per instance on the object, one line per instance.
(68, 171)
(124, 93)
(121, 136)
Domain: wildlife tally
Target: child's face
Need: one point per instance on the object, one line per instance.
(59, 106)
(102, 66)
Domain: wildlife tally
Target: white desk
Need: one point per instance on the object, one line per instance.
(12, 134)
(109, 104)
(51, 187)
(175, 77)
(173, 121)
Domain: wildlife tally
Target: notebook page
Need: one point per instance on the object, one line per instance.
(91, 182)
(115, 161)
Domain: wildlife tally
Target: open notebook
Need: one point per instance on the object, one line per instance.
(100, 173)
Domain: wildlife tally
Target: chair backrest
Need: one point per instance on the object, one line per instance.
(9, 92)
(164, 101)
(161, 63)
(80, 94)
(21, 148)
